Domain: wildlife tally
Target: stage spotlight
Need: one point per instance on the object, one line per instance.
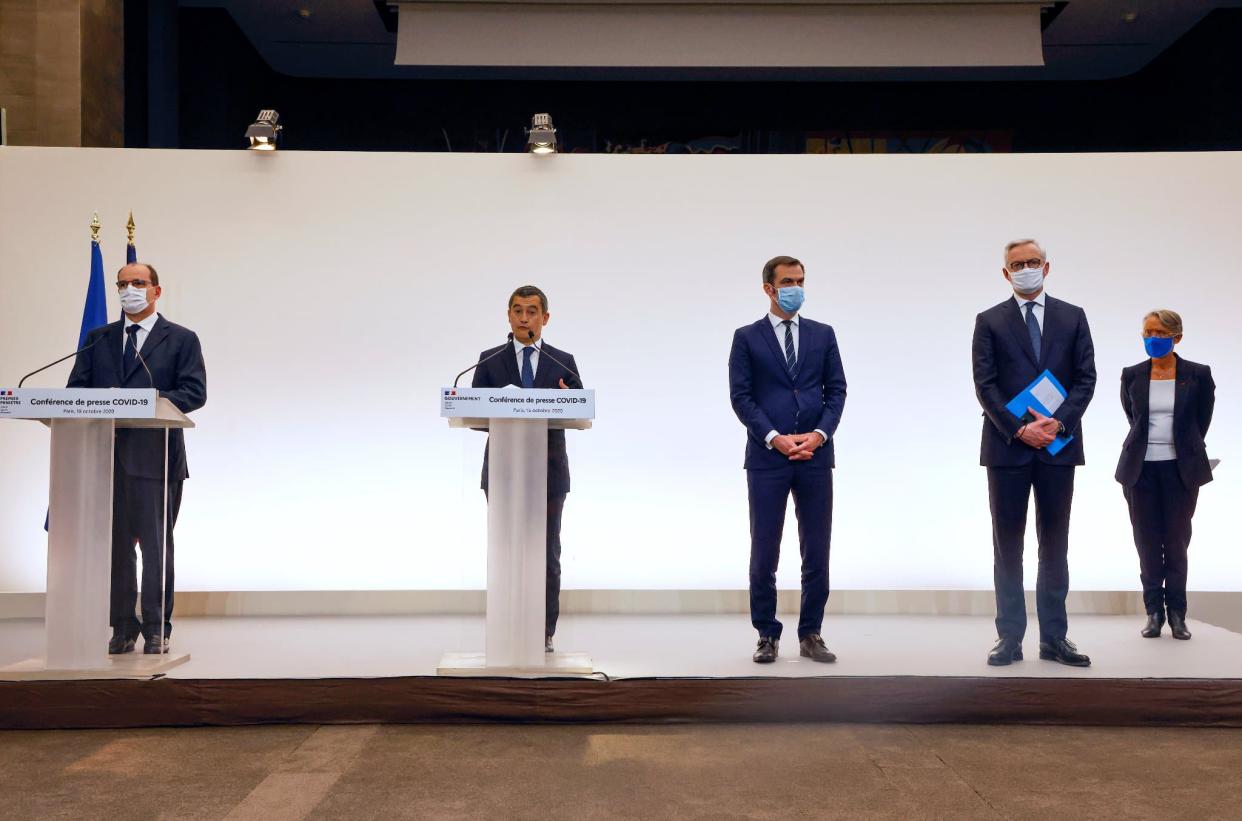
(542, 136)
(264, 132)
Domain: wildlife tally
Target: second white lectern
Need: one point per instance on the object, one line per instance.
(517, 522)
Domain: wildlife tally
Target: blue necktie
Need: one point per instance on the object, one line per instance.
(528, 373)
(1032, 328)
(131, 348)
(791, 359)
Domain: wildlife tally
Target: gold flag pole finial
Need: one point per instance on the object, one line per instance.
(95, 228)
(129, 228)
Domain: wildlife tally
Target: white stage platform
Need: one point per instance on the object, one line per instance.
(649, 669)
(673, 646)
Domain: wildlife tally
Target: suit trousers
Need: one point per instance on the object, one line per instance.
(1161, 507)
(769, 490)
(1009, 493)
(137, 516)
(552, 581)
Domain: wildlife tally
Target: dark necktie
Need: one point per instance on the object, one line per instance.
(1032, 328)
(528, 373)
(131, 347)
(791, 359)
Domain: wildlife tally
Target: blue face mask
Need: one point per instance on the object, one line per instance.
(790, 298)
(1158, 346)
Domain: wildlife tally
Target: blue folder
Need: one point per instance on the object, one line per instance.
(1019, 405)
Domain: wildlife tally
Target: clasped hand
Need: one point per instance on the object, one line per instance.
(1041, 432)
(798, 447)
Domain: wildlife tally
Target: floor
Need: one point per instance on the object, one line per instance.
(667, 646)
(717, 772)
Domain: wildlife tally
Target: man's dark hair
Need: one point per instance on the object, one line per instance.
(528, 291)
(155, 277)
(769, 267)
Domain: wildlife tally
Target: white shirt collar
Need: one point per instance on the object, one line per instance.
(1022, 300)
(146, 324)
(518, 345)
(776, 320)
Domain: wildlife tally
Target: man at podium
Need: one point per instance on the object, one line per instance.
(143, 350)
(527, 362)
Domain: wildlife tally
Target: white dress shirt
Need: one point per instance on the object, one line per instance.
(144, 330)
(518, 347)
(1160, 398)
(1039, 307)
(778, 328)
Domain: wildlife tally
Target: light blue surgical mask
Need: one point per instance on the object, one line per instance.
(1157, 346)
(790, 298)
(1028, 280)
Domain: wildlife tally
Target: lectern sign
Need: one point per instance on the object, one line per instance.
(514, 403)
(78, 403)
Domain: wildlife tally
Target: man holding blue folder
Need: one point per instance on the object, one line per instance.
(1032, 346)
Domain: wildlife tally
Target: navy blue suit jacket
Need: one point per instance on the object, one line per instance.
(766, 397)
(175, 357)
(1194, 398)
(502, 370)
(1005, 363)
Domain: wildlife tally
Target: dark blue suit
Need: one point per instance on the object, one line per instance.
(500, 370)
(767, 397)
(175, 357)
(1004, 364)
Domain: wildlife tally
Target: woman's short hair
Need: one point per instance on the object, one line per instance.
(1171, 320)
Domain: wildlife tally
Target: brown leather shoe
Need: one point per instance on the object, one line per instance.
(767, 650)
(120, 643)
(813, 647)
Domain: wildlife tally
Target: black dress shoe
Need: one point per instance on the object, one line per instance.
(813, 647)
(1177, 625)
(1155, 623)
(120, 643)
(152, 646)
(1063, 651)
(1007, 651)
(547, 644)
(766, 652)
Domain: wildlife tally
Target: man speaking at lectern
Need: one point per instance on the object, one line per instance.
(787, 387)
(143, 350)
(527, 362)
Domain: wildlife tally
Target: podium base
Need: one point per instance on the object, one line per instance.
(555, 664)
(130, 665)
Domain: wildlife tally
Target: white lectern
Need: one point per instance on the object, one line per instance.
(517, 522)
(79, 548)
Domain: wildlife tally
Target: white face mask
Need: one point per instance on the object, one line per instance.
(134, 300)
(1028, 280)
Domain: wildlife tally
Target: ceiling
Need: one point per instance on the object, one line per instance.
(1082, 40)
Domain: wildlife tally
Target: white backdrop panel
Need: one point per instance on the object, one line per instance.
(334, 293)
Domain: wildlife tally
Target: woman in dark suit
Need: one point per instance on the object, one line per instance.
(1168, 401)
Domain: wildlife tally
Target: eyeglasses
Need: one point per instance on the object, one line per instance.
(137, 283)
(1017, 265)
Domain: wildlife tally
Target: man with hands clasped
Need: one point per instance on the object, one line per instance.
(787, 387)
(1015, 342)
